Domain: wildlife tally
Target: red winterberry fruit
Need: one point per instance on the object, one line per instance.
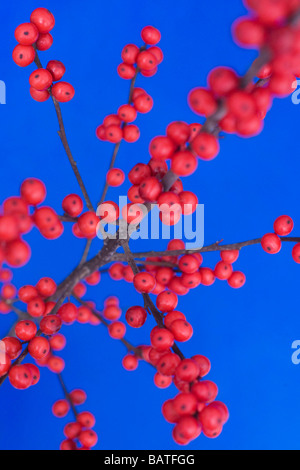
(57, 69)
(43, 19)
(271, 243)
(136, 316)
(26, 34)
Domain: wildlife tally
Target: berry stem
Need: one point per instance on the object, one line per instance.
(64, 140)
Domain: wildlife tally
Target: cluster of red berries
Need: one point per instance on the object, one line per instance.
(15, 221)
(245, 108)
(271, 242)
(155, 279)
(79, 434)
(194, 409)
(36, 35)
(144, 60)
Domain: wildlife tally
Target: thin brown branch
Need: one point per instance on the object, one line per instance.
(64, 140)
(117, 146)
(213, 247)
(149, 305)
(66, 393)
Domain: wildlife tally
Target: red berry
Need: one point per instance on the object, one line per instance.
(249, 33)
(43, 19)
(68, 312)
(150, 35)
(39, 96)
(113, 133)
(57, 69)
(88, 223)
(109, 211)
(179, 132)
(93, 279)
(162, 148)
(146, 60)
(131, 133)
(202, 101)
(115, 177)
(57, 342)
(72, 430)
(50, 324)
(25, 330)
(17, 253)
(207, 276)
(136, 316)
(44, 42)
(144, 282)
(5, 362)
(237, 279)
(8, 228)
(223, 270)
(68, 444)
(55, 364)
(187, 371)
(88, 438)
(205, 391)
(36, 307)
(20, 377)
(206, 146)
(46, 287)
(143, 103)
(203, 363)
(38, 347)
(117, 330)
(223, 80)
(150, 189)
(33, 191)
(63, 92)
(127, 113)
(161, 339)
(60, 408)
(13, 347)
(185, 404)
(157, 52)
(167, 363)
(129, 54)
(188, 264)
(283, 225)
(86, 419)
(35, 373)
(23, 55)
(241, 104)
(211, 417)
(138, 173)
(78, 396)
(130, 362)
(72, 205)
(271, 243)
(169, 412)
(166, 301)
(182, 330)
(126, 71)
(162, 381)
(172, 316)
(229, 256)
(184, 163)
(26, 34)
(296, 253)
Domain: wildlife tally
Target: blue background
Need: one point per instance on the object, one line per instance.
(246, 333)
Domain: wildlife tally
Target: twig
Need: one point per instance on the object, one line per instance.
(63, 137)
